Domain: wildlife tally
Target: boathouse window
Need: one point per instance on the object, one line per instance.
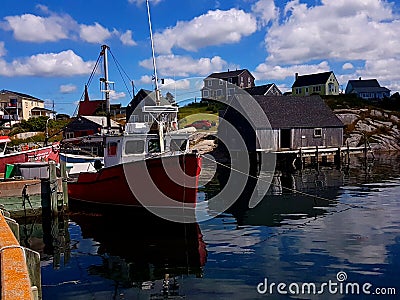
(317, 132)
(134, 147)
(112, 149)
(154, 146)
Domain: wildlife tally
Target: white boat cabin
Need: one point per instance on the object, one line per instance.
(138, 144)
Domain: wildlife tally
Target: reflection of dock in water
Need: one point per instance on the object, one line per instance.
(290, 196)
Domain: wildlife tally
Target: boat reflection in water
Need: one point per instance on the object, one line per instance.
(141, 250)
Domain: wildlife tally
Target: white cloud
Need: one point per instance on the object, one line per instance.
(126, 38)
(341, 30)
(38, 29)
(31, 28)
(94, 33)
(214, 28)
(117, 95)
(170, 83)
(265, 10)
(67, 88)
(146, 79)
(65, 63)
(175, 65)
(269, 72)
(347, 66)
(3, 50)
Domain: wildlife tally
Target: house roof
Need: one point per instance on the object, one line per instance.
(229, 74)
(100, 120)
(312, 79)
(364, 83)
(259, 90)
(87, 107)
(20, 94)
(296, 112)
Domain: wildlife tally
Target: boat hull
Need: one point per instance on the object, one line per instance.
(140, 183)
(34, 155)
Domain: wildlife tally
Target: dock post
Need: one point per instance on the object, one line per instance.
(317, 156)
(348, 153)
(53, 187)
(63, 167)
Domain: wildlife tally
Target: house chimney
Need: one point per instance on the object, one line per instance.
(296, 75)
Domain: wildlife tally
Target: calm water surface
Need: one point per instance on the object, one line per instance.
(288, 238)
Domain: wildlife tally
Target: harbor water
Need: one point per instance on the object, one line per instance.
(337, 239)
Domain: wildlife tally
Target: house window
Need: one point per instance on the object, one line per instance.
(147, 118)
(230, 80)
(231, 92)
(219, 93)
(317, 132)
(134, 118)
(248, 81)
(69, 135)
(221, 82)
(298, 91)
(306, 89)
(206, 94)
(209, 82)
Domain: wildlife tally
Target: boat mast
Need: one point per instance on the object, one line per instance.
(153, 56)
(104, 49)
(157, 91)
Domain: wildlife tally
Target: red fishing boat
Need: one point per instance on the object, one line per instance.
(25, 154)
(149, 165)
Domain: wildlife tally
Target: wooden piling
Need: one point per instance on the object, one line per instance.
(53, 187)
(63, 167)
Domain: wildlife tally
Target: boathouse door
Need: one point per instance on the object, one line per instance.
(285, 138)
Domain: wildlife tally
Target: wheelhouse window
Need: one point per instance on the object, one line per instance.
(178, 145)
(154, 146)
(134, 147)
(317, 132)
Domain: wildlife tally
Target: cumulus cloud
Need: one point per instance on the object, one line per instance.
(94, 33)
(31, 28)
(176, 65)
(3, 50)
(265, 10)
(117, 95)
(269, 72)
(55, 27)
(334, 30)
(67, 88)
(65, 63)
(126, 38)
(347, 66)
(213, 28)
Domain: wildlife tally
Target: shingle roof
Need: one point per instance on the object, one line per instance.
(312, 79)
(259, 90)
(228, 74)
(364, 83)
(297, 112)
(21, 95)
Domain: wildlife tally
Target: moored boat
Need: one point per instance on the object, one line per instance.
(26, 154)
(148, 165)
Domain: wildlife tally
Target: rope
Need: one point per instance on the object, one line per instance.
(283, 187)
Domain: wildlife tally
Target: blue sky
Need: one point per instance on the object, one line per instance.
(48, 48)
